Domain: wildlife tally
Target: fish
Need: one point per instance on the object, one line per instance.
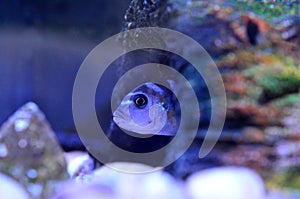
(149, 109)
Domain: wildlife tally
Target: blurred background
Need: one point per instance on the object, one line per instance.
(42, 44)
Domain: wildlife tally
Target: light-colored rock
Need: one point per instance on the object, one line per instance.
(72, 190)
(79, 163)
(125, 168)
(226, 183)
(151, 185)
(10, 188)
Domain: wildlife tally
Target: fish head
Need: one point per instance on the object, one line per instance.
(148, 110)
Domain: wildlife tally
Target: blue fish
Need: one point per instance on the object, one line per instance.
(150, 109)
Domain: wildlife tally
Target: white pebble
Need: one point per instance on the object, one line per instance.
(71, 190)
(148, 185)
(78, 163)
(226, 183)
(10, 188)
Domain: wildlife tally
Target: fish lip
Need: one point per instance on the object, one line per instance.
(119, 114)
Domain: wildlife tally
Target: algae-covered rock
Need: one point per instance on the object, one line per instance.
(30, 153)
(284, 178)
(210, 24)
(147, 13)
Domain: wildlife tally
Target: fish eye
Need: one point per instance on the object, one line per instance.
(140, 100)
(165, 105)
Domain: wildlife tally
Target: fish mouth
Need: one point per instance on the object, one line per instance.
(120, 116)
